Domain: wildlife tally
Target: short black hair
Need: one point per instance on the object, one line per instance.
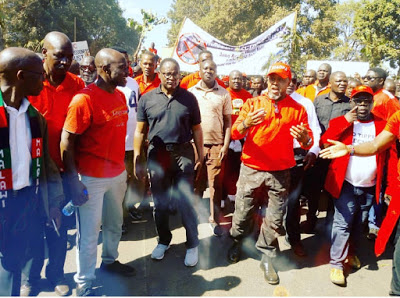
(169, 60)
(380, 72)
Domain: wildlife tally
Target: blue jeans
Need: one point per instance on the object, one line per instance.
(351, 210)
(171, 178)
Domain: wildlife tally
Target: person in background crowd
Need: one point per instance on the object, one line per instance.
(215, 110)
(304, 160)
(246, 82)
(309, 77)
(352, 181)
(88, 70)
(327, 106)
(59, 88)
(232, 164)
(94, 147)
(152, 48)
(321, 86)
(193, 78)
(390, 86)
(170, 115)
(352, 83)
(269, 123)
(397, 89)
(26, 168)
(149, 80)
(136, 71)
(257, 85)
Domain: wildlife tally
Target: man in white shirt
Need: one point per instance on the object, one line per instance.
(304, 160)
(30, 184)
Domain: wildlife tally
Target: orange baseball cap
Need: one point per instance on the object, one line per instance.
(281, 69)
(361, 89)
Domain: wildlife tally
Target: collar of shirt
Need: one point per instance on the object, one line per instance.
(67, 83)
(22, 109)
(175, 94)
(199, 87)
(344, 98)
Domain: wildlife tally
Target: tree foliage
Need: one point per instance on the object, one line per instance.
(100, 22)
(378, 27)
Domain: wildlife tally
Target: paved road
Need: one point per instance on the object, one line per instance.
(214, 276)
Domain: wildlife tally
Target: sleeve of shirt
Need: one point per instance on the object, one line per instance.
(393, 125)
(315, 128)
(196, 118)
(141, 115)
(336, 128)
(235, 135)
(79, 115)
(227, 109)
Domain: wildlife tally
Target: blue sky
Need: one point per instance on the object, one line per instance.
(132, 9)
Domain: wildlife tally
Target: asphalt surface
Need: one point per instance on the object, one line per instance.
(214, 276)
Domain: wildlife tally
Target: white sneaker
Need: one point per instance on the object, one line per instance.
(159, 251)
(192, 256)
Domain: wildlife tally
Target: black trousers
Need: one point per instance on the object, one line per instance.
(21, 224)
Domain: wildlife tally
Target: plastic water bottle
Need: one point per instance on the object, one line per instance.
(69, 209)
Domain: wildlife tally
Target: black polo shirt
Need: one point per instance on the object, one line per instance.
(327, 109)
(169, 119)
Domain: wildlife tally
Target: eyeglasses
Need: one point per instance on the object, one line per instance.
(170, 75)
(89, 68)
(368, 78)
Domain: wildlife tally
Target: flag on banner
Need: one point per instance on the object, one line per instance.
(252, 57)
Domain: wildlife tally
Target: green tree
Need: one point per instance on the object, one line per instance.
(100, 22)
(377, 26)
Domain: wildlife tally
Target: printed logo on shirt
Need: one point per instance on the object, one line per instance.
(237, 104)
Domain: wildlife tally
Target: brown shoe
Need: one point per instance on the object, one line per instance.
(268, 269)
(61, 289)
(299, 250)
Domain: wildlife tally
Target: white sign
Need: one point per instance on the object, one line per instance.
(253, 57)
(81, 49)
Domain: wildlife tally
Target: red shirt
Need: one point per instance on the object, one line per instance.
(238, 100)
(385, 104)
(146, 87)
(100, 119)
(193, 78)
(269, 145)
(53, 103)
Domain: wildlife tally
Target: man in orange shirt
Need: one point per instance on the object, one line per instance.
(149, 80)
(321, 86)
(309, 78)
(232, 164)
(58, 89)
(269, 124)
(192, 79)
(93, 145)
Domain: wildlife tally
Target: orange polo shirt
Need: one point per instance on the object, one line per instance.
(146, 87)
(311, 91)
(385, 104)
(53, 104)
(269, 145)
(238, 100)
(193, 78)
(302, 91)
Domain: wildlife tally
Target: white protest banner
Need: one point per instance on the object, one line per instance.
(81, 49)
(252, 57)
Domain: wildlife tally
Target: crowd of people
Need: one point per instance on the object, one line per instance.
(106, 136)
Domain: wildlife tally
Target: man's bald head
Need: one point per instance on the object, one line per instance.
(324, 72)
(21, 69)
(309, 77)
(58, 53)
(112, 67)
(390, 86)
(235, 80)
(338, 81)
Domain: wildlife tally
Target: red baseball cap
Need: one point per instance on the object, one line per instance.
(281, 69)
(361, 89)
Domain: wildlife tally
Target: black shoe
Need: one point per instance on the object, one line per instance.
(391, 293)
(270, 274)
(84, 290)
(119, 268)
(234, 252)
(299, 250)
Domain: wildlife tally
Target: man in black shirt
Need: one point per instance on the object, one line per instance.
(171, 116)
